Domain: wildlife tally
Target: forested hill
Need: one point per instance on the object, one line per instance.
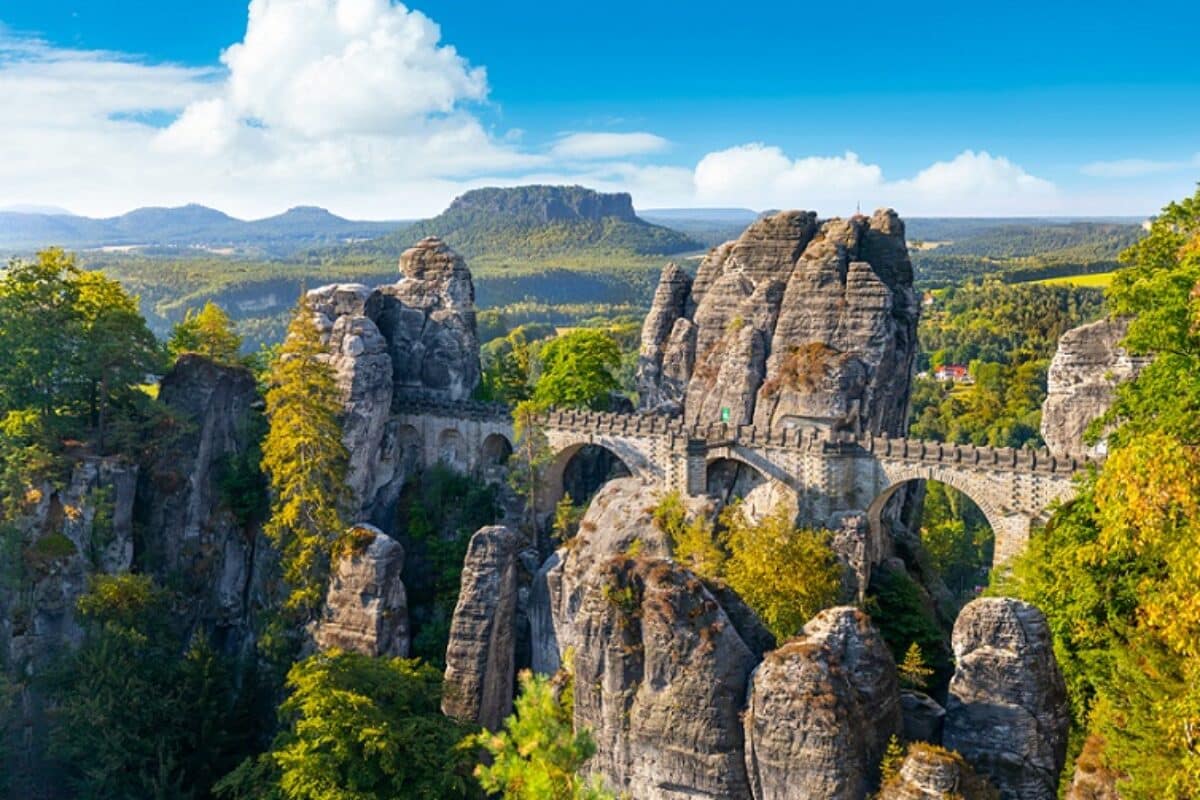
(569, 225)
(192, 227)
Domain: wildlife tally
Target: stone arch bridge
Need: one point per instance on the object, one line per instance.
(830, 475)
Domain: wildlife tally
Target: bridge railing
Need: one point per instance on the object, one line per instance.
(719, 434)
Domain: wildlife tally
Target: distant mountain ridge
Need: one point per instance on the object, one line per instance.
(536, 224)
(191, 225)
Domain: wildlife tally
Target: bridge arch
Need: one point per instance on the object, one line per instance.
(584, 466)
(496, 450)
(452, 449)
(1011, 530)
(409, 448)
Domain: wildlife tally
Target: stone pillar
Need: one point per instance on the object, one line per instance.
(1012, 534)
(697, 467)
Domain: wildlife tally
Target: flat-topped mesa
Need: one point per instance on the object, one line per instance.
(412, 339)
(796, 323)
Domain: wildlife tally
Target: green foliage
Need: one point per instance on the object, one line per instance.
(359, 728)
(539, 754)
(957, 537)
(579, 370)
(784, 573)
(240, 477)
(306, 460)
(73, 346)
(133, 718)
(904, 618)
(693, 539)
(1115, 570)
(508, 365)
(368, 728)
(440, 510)
(1004, 323)
(209, 332)
(567, 517)
(1007, 334)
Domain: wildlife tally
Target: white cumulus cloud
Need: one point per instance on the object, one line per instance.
(758, 176)
(971, 183)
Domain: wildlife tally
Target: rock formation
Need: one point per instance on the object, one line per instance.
(67, 535)
(366, 609)
(1007, 708)
(412, 339)
(619, 515)
(189, 529)
(660, 677)
(661, 665)
(821, 710)
(795, 323)
(1085, 371)
(931, 773)
(480, 658)
(923, 717)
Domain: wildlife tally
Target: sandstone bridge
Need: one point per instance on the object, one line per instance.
(828, 476)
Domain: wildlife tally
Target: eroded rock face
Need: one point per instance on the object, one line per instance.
(366, 608)
(414, 338)
(1085, 371)
(661, 665)
(1007, 707)
(659, 370)
(795, 323)
(618, 516)
(481, 655)
(660, 677)
(931, 773)
(66, 536)
(188, 528)
(821, 710)
(923, 717)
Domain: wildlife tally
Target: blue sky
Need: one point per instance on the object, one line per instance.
(380, 110)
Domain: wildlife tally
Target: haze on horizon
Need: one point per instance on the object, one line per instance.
(376, 110)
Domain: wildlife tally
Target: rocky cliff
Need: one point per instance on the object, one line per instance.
(797, 322)
(481, 657)
(821, 711)
(931, 773)
(1007, 708)
(414, 338)
(70, 532)
(1085, 371)
(191, 531)
(366, 608)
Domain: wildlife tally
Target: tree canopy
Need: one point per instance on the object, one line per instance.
(1115, 570)
(579, 370)
(209, 332)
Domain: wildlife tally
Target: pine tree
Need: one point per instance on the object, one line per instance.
(528, 464)
(539, 754)
(913, 671)
(892, 760)
(306, 460)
